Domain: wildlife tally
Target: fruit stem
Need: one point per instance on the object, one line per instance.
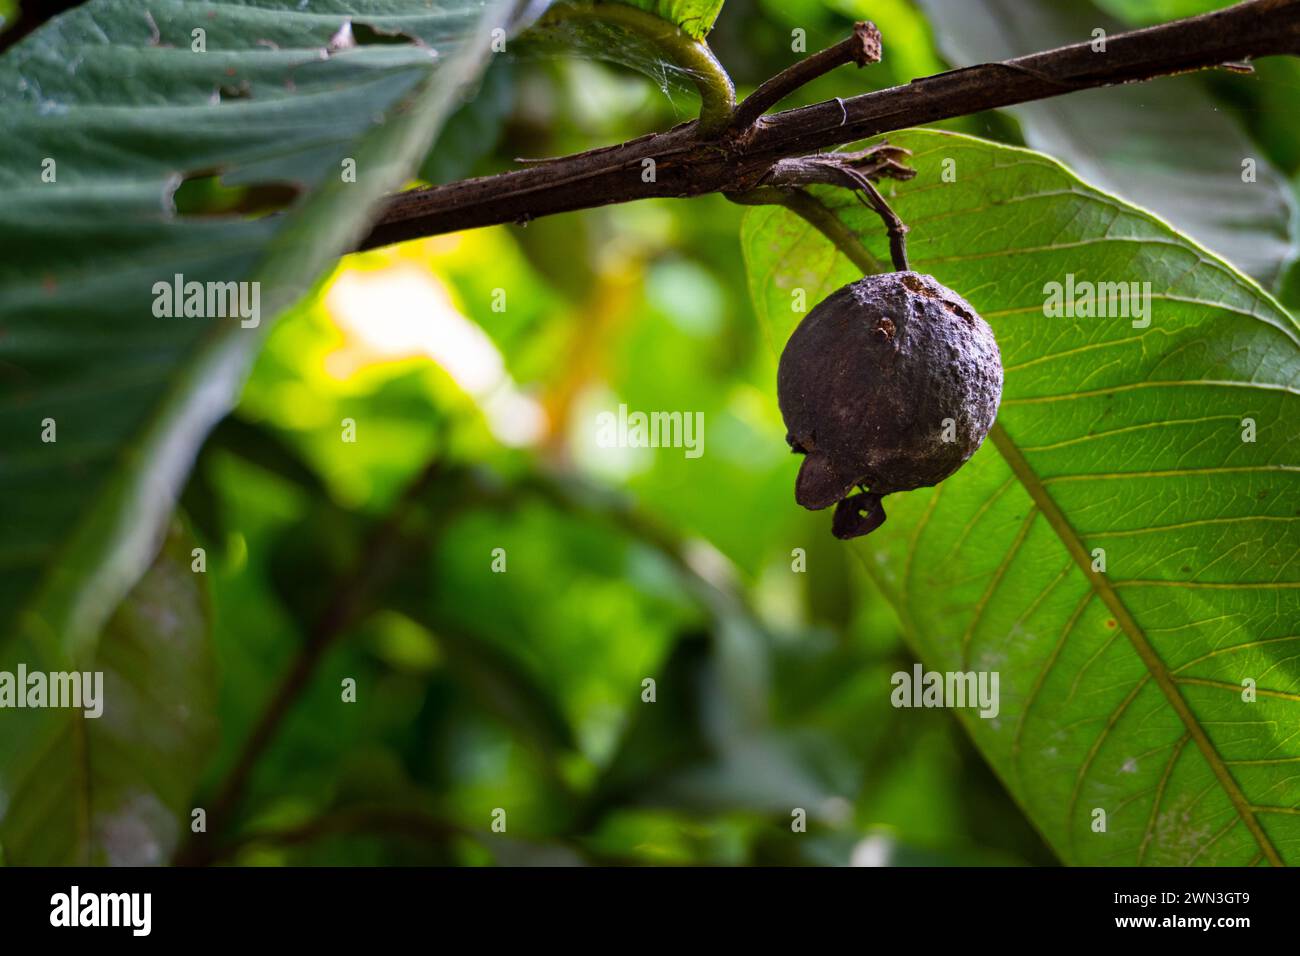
(897, 229)
(849, 170)
(811, 209)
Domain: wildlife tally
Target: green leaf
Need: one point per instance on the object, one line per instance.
(695, 17)
(1169, 145)
(116, 789)
(1120, 690)
(119, 100)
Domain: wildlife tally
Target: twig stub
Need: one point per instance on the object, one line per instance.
(862, 47)
(867, 43)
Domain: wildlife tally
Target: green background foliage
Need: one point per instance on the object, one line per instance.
(523, 690)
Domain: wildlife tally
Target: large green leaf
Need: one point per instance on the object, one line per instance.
(116, 95)
(116, 788)
(1119, 690)
(1168, 145)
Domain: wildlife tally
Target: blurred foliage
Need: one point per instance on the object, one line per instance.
(1263, 102)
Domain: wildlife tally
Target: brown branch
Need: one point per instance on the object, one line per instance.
(862, 48)
(686, 165)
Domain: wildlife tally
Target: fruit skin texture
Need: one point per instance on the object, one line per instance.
(865, 384)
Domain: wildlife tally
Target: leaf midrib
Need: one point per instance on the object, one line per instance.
(1155, 666)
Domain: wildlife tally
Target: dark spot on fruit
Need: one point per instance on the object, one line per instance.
(1110, 623)
(969, 317)
(913, 283)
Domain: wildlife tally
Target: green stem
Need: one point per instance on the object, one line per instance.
(693, 57)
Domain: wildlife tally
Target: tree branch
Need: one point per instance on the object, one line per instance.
(684, 163)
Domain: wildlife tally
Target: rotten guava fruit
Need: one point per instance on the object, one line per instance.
(889, 384)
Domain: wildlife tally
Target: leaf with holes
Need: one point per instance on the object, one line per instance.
(1124, 552)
